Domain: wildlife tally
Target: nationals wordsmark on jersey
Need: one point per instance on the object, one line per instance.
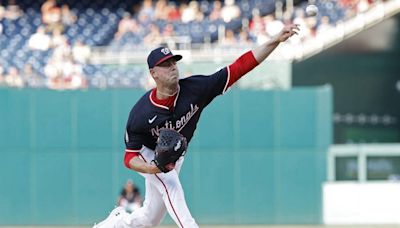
(147, 117)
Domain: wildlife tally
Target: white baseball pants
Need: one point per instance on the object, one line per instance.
(163, 193)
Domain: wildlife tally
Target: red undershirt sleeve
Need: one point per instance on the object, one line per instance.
(129, 154)
(241, 66)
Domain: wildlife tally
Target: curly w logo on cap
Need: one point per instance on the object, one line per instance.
(165, 51)
(160, 55)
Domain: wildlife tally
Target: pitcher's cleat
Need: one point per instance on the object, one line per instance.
(113, 219)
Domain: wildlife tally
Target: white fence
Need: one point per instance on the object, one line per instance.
(365, 187)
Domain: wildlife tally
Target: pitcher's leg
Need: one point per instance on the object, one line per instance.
(151, 213)
(173, 196)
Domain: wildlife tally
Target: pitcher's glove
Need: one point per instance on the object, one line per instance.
(171, 145)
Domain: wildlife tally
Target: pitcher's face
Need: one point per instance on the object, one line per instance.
(166, 72)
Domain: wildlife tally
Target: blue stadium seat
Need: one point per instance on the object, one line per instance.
(246, 8)
(205, 7)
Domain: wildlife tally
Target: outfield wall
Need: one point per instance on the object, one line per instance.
(258, 157)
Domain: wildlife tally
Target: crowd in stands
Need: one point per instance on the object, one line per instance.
(48, 44)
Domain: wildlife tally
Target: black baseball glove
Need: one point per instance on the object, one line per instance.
(171, 145)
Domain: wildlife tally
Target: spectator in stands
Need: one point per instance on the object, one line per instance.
(56, 83)
(31, 78)
(230, 11)
(67, 16)
(324, 25)
(127, 25)
(192, 12)
(64, 74)
(146, 14)
(305, 31)
(62, 52)
(130, 197)
(51, 16)
(13, 78)
(257, 24)
(2, 12)
(229, 39)
(123, 25)
(47, 5)
(168, 30)
(244, 39)
(72, 75)
(58, 38)
(169, 37)
(52, 71)
(81, 52)
(362, 6)
(350, 7)
(173, 13)
(182, 7)
(78, 80)
(13, 11)
(312, 24)
(147, 10)
(216, 11)
(272, 25)
(153, 38)
(257, 28)
(39, 40)
(161, 10)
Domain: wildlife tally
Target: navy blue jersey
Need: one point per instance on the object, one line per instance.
(147, 117)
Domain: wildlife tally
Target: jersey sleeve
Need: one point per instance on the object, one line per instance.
(216, 84)
(133, 146)
(133, 142)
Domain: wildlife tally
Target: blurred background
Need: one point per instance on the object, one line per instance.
(310, 137)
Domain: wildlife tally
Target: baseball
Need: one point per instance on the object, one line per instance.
(311, 10)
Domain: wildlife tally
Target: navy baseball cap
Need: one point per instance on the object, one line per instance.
(160, 55)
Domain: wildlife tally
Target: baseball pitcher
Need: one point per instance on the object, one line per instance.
(162, 123)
